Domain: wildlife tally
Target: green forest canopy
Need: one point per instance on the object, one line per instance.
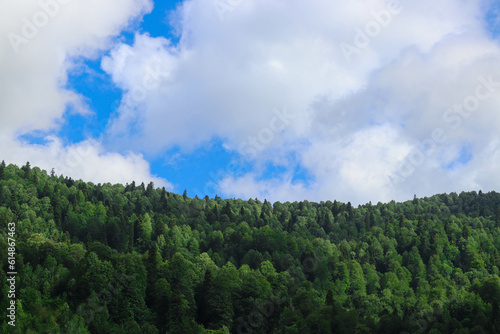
(135, 259)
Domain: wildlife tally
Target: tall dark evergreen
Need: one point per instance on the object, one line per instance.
(2, 170)
(27, 169)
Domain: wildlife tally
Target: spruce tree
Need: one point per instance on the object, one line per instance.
(2, 170)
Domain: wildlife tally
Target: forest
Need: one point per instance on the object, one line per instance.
(104, 258)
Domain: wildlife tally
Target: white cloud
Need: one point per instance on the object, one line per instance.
(351, 168)
(87, 160)
(399, 135)
(40, 41)
(357, 120)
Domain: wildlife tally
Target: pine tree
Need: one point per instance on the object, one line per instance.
(150, 189)
(329, 298)
(227, 211)
(27, 169)
(2, 170)
(497, 216)
(202, 294)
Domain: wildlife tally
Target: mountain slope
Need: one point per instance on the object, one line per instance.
(135, 259)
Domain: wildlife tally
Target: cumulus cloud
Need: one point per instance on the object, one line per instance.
(40, 42)
(406, 131)
(354, 167)
(87, 160)
(369, 84)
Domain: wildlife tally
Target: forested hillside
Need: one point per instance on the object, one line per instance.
(134, 259)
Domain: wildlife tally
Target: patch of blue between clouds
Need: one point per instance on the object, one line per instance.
(493, 19)
(463, 158)
(34, 138)
(157, 23)
(300, 175)
(272, 171)
(102, 97)
(303, 176)
(199, 171)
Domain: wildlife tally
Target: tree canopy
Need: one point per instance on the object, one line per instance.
(138, 259)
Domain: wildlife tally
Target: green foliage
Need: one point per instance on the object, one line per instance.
(134, 259)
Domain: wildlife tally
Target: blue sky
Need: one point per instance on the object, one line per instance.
(286, 101)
